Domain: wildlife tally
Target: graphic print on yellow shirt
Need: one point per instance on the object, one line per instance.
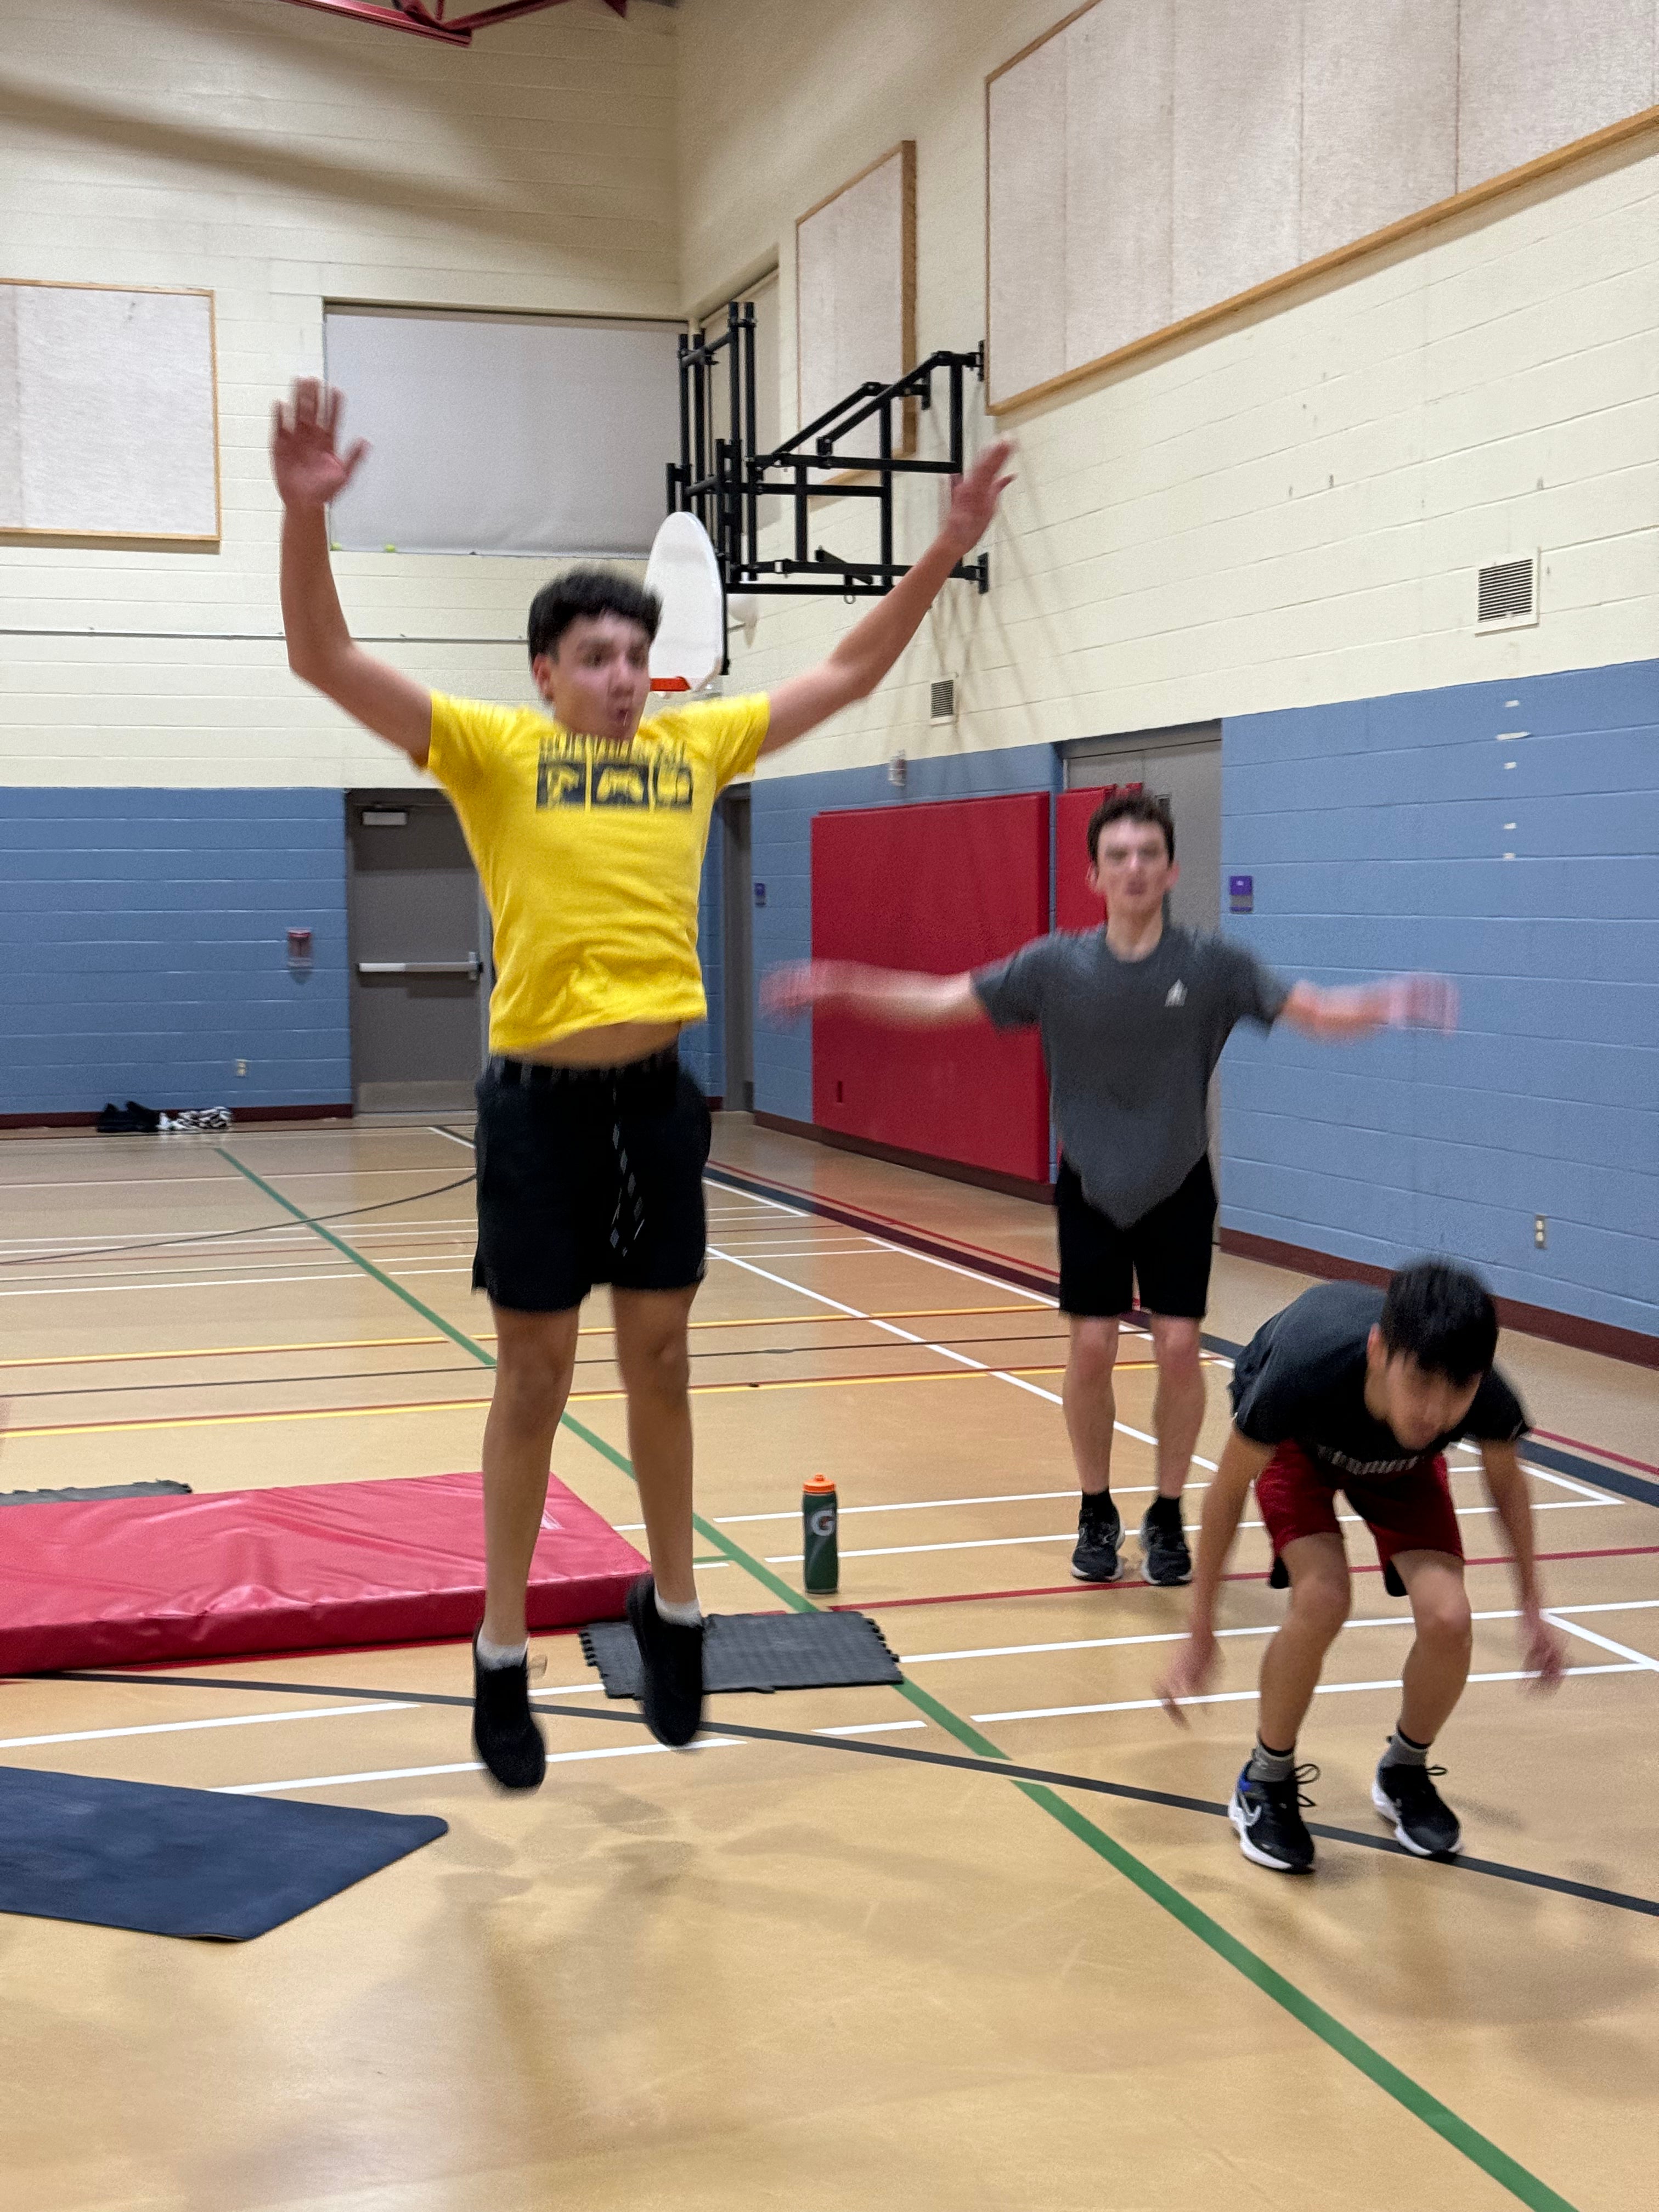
(590, 851)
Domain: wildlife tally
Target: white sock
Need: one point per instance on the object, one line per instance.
(686, 1614)
(500, 1655)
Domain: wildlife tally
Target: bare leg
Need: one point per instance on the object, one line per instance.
(535, 1358)
(1091, 1407)
(1178, 1407)
(1437, 1665)
(652, 1353)
(1318, 1568)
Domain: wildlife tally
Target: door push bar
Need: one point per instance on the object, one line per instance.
(471, 967)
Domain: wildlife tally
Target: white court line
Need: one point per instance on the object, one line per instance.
(465, 1766)
(1607, 1643)
(223, 1721)
(113, 1288)
(1245, 1697)
(872, 1727)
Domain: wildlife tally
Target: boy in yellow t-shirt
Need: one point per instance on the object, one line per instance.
(588, 832)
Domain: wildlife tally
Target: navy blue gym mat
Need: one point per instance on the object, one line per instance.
(758, 1651)
(183, 1862)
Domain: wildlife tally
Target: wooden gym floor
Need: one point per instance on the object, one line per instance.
(838, 1959)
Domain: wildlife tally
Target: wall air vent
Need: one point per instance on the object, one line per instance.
(942, 700)
(1508, 594)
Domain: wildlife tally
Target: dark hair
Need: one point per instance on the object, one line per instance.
(1443, 1317)
(1129, 806)
(585, 591)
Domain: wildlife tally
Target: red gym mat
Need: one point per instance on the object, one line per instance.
(114, 1580)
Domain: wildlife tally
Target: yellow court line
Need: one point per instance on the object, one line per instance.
(461, 1404)
(484, 1336)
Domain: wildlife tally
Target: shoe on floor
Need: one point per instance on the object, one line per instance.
(145, 1119)
(1099, 1535)
(1267, 1815)
(671, 1666)
(1422, 1820)
(504, 1730)
(1164, 1558)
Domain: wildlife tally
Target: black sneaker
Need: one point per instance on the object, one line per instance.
(1164, 1558)
(1422, 1819)
(1267, 1815)
(504, 1731)
(1099, 1533)
(670, 1661)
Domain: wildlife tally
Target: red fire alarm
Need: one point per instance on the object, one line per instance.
(299, 945)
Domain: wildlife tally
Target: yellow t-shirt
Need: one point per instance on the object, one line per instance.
(590, 852)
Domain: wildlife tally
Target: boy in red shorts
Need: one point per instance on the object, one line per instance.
(1359, 1391)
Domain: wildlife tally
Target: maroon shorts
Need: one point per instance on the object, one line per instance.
(1409, 1512)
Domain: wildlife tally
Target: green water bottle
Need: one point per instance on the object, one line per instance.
(818, 1516)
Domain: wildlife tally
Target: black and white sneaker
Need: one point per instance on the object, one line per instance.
(1267, 1815)
(1099, 1534)
(1422, 1820)
(671, 1665)
(504, 1731)
(1164, 1558)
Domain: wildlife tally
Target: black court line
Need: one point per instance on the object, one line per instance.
(1634, 1486)
(863, 1749)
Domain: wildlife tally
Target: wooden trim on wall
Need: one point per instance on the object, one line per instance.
(906, 150)
(1545, 165)
(1603, 1337)
(1010, 1186)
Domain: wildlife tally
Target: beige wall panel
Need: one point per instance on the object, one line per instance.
(1537, 74)
(1237, 149)
(11, 425)
(1379, 116)
(1120, 75)
(850, 278)
(1027, 207)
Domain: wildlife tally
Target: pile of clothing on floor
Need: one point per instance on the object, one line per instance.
(134, 1120)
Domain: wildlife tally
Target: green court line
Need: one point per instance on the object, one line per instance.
(1420, 2102)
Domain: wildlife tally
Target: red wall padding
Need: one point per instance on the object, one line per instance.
(940, 887)
(1076, 905)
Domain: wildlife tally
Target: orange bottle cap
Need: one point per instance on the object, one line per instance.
(818, 1482)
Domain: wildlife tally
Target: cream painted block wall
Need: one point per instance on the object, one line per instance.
(1286, 509)
(282, 158)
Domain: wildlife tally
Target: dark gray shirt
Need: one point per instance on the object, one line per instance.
(1130, 1046)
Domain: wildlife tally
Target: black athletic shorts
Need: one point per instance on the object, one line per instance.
(1166, 1252)
(589, 1175)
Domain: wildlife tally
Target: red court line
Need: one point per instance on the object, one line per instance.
(1597, 1451)
(1077, 1589)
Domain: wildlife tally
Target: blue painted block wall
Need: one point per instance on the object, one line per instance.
(146, 949)
(1375, 834)
(782, 813)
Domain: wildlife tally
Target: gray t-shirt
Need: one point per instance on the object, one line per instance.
(1130, 1046)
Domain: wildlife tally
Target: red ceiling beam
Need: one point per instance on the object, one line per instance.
(428, 22)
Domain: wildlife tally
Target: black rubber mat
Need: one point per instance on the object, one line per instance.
(759, 1651)
(78, 1497)
(172, 1862)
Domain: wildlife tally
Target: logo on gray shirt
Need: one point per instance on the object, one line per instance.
(1177, 994)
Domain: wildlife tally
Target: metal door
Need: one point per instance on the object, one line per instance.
(1183, 767)
(738, 950)
(420, 940)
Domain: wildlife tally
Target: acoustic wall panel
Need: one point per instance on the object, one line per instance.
(108, 413)
(1394, 63)
(1150, 163)
(856, 284)
(1537, 74)
(941, 887)
(1237, 152)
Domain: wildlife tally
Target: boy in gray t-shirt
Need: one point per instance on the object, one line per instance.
(1133, 1016)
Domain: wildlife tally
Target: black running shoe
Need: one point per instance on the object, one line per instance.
(670, 1661)
(1099, 1534)
(1422, 1819)
(504, 1730)
(1164, 1558)
(1267, 1815)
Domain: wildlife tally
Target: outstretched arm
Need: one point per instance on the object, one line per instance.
(1242, 1460)
(309, 472)
(1542, 1644)
(870, 646)
(1422, 1002)
(892, 995)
